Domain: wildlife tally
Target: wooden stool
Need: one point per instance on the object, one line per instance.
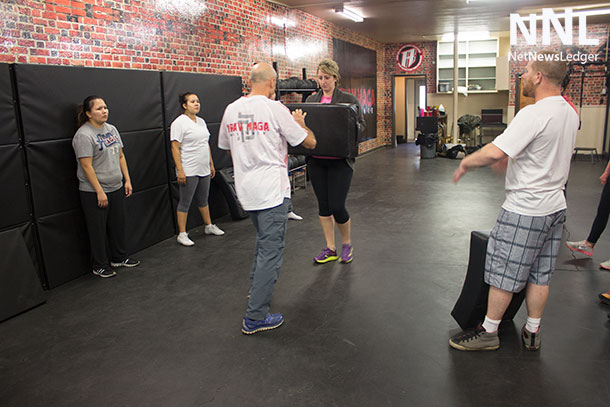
(592, 150)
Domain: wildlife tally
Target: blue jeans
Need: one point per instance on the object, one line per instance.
(270, 227)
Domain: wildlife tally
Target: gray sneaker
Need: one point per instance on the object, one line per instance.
(475, 339)
(104, 272)
(580, 246)
(531, 341)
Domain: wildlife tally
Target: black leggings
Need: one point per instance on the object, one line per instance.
(331, 180)
(601, 219)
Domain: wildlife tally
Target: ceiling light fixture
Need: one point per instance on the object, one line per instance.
(349, 14)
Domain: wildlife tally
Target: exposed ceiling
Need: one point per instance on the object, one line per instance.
(393, 21)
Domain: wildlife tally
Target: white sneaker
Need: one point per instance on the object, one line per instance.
(213, 230)
(294, 216)
(184, 240)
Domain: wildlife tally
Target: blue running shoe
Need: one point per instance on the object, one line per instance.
(250, 326)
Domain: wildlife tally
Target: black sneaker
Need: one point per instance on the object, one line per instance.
(475, 339)
(126, 263)
(104, 272)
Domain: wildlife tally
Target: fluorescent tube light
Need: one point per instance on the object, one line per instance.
(349, 14)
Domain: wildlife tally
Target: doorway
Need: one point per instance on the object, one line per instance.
(409, 94)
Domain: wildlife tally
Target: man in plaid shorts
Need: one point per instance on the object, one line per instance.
(535, 150)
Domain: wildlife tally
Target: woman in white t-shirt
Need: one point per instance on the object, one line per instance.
(194, 166)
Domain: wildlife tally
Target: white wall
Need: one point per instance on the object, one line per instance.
(411, 109)
(591, 133)
(399, 106)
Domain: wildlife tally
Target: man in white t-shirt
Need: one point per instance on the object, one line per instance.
(256, 130)
(536, 150)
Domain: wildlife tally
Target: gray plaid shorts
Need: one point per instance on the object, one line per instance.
(523, 249)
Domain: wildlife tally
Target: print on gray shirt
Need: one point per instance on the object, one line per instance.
(104, 146)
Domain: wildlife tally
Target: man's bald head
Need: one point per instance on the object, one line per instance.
(262, 72)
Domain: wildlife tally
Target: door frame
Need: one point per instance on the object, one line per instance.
(406, 76)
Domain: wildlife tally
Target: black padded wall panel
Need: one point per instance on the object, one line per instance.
(20, 287)
(14, 206)
(221, 158)
(49, 96)
(8, 123)
(215, 92)
(30, 238)
(65, 246)
(144, 151)
(52, 166)
(149, 218)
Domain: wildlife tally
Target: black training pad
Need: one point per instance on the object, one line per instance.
(14, 206)
(471, 306)
(8, 123)
(335, 127)
(20, 287)
(49, 97)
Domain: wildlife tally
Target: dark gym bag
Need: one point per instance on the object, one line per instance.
(471, 306)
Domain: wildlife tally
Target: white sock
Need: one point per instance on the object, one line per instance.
(532, 324)
(183, 234)
(491, 325)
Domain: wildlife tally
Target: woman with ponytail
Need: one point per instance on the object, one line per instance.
(104, 184)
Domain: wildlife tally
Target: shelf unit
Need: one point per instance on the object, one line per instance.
(476, 65)
(302, 91)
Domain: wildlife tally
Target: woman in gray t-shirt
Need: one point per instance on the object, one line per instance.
(102, 168)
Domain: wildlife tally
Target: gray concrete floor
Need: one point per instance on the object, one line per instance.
(370, 333)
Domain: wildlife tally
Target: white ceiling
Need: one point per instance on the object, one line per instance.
(393, 21)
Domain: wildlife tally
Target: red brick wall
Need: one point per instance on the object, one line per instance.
(594, 75)
(428, 66)
(134, 34)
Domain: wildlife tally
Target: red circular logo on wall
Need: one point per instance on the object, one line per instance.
(409, 58)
